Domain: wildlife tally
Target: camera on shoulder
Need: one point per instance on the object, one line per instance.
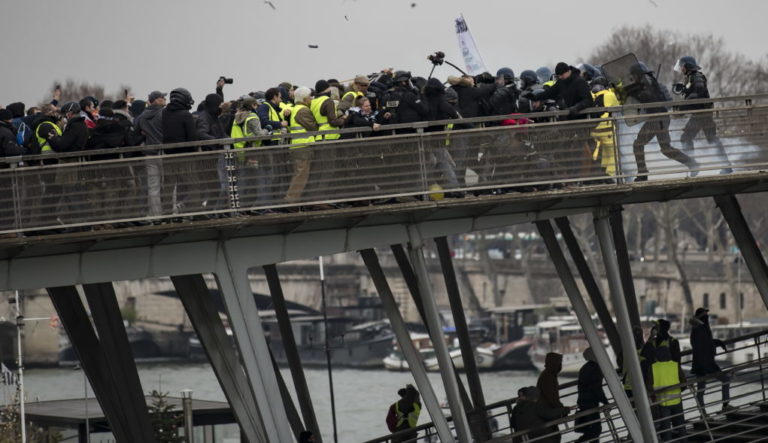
(226, 80)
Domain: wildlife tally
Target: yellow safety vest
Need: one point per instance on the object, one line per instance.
(276, 117)
(354, 94)
(412, 417)
(448, 127)
(295, 128)
(241, 131)
(43, 142)
(665, 373)
(609, 100)
(321, 119)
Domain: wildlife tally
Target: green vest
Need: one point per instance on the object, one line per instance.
(41, 141)
(295, 128)
(321, 119)
(412, 417)
(241, 131)
(355, 94)
(665, 373)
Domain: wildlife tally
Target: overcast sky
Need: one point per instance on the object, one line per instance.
(163, 44)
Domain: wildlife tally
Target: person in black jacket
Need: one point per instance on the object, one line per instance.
(590, 391)
(109, 183)
(179, 126)
(65, 185)
(504, 98)
(646, 89)
(695, 87)
(703, 352)
(212, 171)
(443, 171)
(574, 95)
(8, 148)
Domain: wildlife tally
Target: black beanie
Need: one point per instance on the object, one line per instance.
(321, 86)
(562, 68)
(17, 109)
(5, 115)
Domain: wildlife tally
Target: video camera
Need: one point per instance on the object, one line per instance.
(226, 80)
(437, 58)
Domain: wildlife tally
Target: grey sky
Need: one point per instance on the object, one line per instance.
(162, 44)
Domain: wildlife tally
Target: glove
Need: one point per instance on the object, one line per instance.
(678, 88)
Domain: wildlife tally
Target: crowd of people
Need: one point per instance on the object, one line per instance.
(287, 112)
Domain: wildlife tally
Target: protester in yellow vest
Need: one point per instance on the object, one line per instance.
(605, 132)
(324, 110)
(254, 168)
(666, 376)
(301, 121)
(359, 88)
(404, 413)
(271, 116)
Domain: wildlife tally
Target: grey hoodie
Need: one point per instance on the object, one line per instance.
(150, 123)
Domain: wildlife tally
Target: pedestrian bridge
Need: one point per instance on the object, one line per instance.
(90, 221)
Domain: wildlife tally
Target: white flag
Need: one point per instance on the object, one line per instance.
(472, 59)
(9, 377)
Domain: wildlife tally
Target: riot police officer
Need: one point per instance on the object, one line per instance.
(403, 101)
(646, 89)
(695, 87)
(504, 98)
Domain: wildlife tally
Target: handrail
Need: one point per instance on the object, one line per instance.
(690, 385)
(417, 125)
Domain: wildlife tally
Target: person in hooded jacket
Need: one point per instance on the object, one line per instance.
(214, 182)
(443, 171)
(150, 124)
(590, 395)
(530, 414)
(549, 389)
(8, 145)
(703, 352)
(111, 183)
(178, 126)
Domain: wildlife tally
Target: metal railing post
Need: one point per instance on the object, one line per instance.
(422, 159)
(760, 363)
(609, 422)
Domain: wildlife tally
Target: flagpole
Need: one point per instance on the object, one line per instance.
(19, 327)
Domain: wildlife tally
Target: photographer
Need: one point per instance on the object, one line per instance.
(220, 85)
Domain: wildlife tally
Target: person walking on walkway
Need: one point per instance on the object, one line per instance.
(549, 389)
(666, 373)
(530, 414)
(703, 351)
(590, 389)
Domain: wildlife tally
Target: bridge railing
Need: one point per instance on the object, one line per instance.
(424, 160)
(708, 420)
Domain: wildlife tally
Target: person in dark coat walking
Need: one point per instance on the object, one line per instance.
(703, 352)
(549, 389)
(530, 414)
(178, 126)
(590, 391)
(442, 172)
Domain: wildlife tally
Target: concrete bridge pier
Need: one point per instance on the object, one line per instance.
(623, 319)
(231, 274)
(204, 316)
(412, 356)
(105, 356)
(593, 337)
(447, 370)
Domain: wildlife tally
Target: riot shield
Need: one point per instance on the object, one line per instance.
(617, 73)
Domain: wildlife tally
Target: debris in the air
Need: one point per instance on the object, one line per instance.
(653, 3)
(313, 46)
(270, 4)
(346, 18)
(413, 5)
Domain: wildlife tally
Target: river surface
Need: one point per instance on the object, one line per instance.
(362, 396)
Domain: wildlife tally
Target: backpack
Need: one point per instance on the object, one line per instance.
(392, 419)
(24, 134)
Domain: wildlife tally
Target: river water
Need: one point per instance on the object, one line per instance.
(362, 396)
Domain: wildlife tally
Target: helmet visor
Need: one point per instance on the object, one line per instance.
(678, 67)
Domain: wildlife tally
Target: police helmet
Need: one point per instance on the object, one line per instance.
(72, 107)
(529, 77)
(402, 76)
(588, 71)
(182, 96)
(687, 62)
(600, 80)
(639, 69)
(507, 73)
(544, 74)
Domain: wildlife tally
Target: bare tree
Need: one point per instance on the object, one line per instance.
(72, 90)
